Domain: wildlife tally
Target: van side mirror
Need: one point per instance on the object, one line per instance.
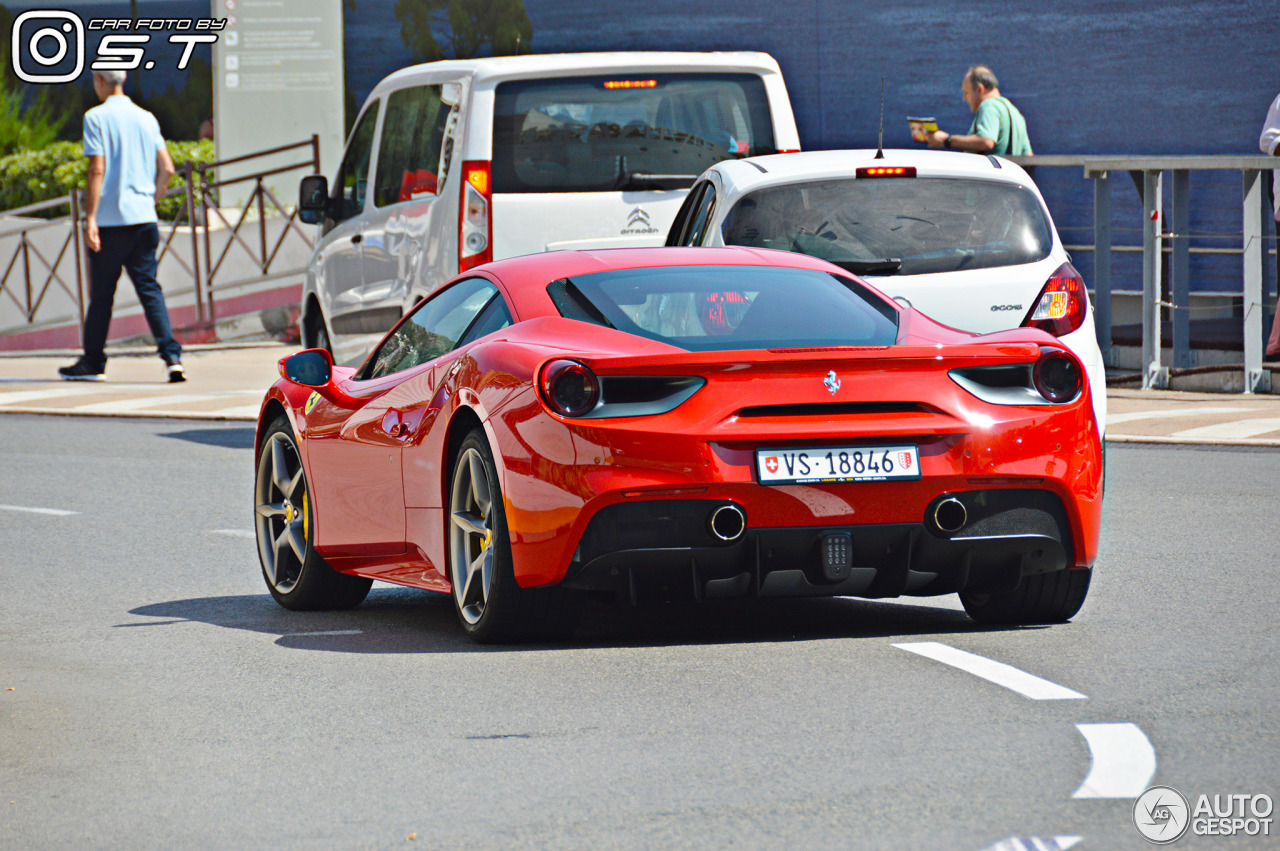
(313, 198)
(310, 368)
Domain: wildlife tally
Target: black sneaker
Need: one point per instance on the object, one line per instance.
(176, 373)
(80, 371)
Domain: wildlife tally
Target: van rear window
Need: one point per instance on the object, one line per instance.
(624, 131)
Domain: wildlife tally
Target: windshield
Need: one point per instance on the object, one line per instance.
(724, 308)
(629, 131)
(907, 226)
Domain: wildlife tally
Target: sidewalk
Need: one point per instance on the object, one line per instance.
(227, 382)
(224, 382)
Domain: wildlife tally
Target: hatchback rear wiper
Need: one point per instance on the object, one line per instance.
(624, 179)
(887, 265)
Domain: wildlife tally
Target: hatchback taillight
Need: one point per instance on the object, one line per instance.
(475, 216)
(1062, 304)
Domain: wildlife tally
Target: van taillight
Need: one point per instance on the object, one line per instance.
(475, 216)
(1062, 304)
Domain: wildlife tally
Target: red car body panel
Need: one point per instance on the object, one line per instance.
(378, 469)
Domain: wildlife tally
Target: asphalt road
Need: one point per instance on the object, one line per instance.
(159, 697)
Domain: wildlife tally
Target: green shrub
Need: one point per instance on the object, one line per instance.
(28, 177)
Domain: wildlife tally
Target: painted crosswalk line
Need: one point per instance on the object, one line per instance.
(1233, 430)
(1167, 413)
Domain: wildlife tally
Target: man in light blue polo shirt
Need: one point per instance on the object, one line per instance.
(129, 172)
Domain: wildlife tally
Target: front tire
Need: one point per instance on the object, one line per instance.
(297, 577)
(491, 606)
(1038, 599)
(318, 336)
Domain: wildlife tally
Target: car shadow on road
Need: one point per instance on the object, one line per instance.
(402, 620)
(240, 437)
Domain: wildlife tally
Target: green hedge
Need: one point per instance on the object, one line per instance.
(28, 177)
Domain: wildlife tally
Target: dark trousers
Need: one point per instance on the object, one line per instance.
(133, 249)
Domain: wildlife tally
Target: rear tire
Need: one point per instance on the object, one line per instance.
(1040, 598)
(297, 577)
(491, 606)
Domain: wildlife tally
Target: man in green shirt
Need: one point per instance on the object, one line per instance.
(998, 127)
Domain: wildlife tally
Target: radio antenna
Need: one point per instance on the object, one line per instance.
(880, 147)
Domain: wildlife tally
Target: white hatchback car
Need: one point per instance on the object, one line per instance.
(453, 164)
(964, 238)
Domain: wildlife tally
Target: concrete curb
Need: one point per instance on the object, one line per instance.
(1195, 441)
(133, 415)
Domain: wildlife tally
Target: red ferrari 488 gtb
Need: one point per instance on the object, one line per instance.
(730, 422)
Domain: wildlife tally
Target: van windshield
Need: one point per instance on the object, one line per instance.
(624, 132)
(887, 226)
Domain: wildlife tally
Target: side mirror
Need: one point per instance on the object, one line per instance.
(310, 368)
(314, 368)
(313, 198)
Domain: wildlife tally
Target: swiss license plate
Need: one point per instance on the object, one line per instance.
(817, 464)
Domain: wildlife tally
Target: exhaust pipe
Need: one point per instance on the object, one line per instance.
(727, 522)
(950, 515)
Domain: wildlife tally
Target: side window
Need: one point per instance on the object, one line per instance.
(409, 153)
(495, 317)
(435, 327)
(353, 176)
(680, 226)
(701, 217)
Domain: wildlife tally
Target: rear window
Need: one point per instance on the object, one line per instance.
(868, 225)
(631, 131)
(723, 308)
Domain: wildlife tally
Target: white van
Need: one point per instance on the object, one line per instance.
(453, 164)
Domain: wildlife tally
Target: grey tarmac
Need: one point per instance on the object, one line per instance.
(161, 699)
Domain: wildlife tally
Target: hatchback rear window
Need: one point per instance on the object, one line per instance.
(630, 131)
(896, 225)
(724, 308)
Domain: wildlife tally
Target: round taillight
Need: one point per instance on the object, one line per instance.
(1058, 377)
(569, 388)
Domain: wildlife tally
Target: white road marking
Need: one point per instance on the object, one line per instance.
(1116, 419)
(1035, 843)
(234, 533)
(31, 395)
(1123, 761)
(1027, 685)
(1235, 429)
(56, 512)
(121, 406)
(69, 388)
(323, 632)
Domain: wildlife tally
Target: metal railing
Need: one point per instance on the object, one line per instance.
(35, 289)
(258, 198)
(28, 274)
(1148, 177)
